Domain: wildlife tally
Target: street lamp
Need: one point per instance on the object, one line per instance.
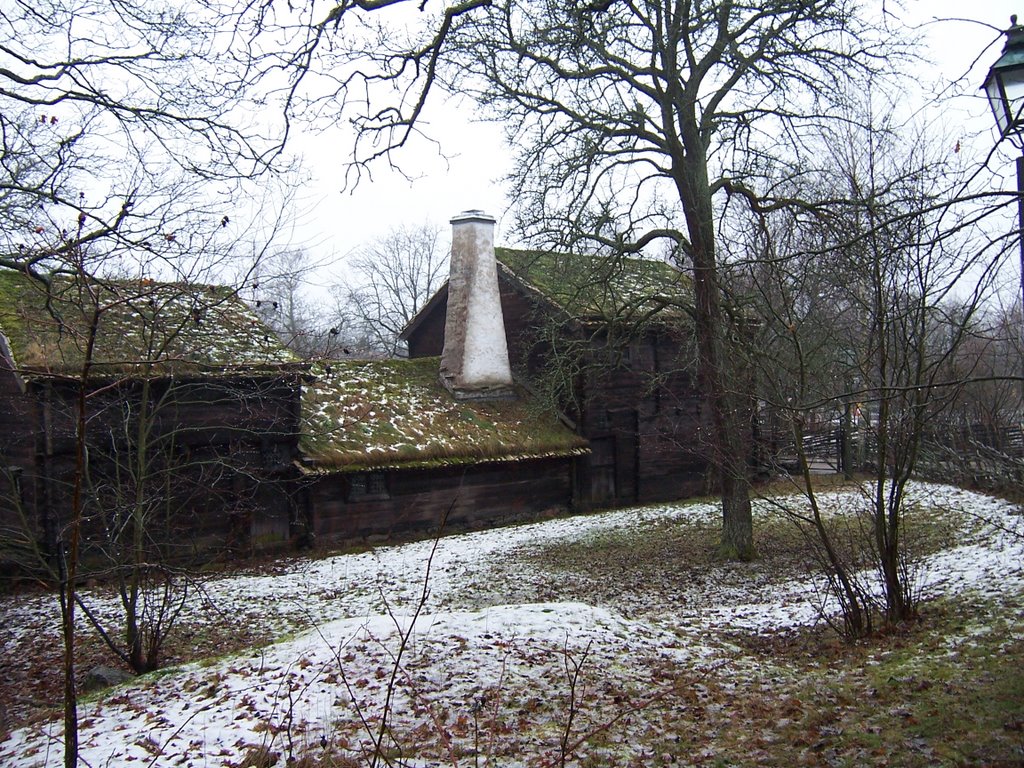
(1005, 84)
(1005, 89)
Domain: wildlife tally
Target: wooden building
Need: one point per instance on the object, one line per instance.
(201, 426)
(190, 425)
(536, 384)
(608, 342)
(437, 442)
(387, 449)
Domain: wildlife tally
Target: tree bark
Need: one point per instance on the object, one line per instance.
(729, 442)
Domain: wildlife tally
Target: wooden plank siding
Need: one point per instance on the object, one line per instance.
(18, 492)
(219, 474)
(429, 342)
(648, 408)
(420, 500)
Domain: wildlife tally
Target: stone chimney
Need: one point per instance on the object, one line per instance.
(474, 363)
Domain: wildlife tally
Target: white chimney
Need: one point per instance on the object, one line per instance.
(474, 363)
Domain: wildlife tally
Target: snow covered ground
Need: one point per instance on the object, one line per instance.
(496, 657)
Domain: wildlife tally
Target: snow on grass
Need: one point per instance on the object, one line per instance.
(471, 655)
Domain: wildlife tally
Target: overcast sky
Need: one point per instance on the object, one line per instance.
(331, 223)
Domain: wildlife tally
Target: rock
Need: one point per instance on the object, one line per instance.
(104, 677)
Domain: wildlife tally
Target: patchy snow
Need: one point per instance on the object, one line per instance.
(386, 407)
(490, 654)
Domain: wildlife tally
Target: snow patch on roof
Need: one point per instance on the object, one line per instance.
(389, 413)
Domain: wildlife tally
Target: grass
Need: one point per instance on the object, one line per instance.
(947, 690)
(385, 413)
(145, 327)
(588, 286)
(918, 697)
(663, 551)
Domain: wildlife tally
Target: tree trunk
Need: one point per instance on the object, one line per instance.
(737, 519)
(69, 554)
(67, 599)
(729, 442)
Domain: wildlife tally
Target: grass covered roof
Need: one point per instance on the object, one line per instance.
(144, 327)
(360, 415)
(600, 287)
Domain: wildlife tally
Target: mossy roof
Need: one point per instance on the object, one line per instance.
(144, 327)
(601, 287)
(360, 415)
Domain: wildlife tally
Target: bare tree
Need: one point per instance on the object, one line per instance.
(394, 277)
(988, 407)
(635, 123)
(127, 136)
(120, 462)
(314, 327)
(109, 113)
(867, 306)
(372, 64)
(639, 123)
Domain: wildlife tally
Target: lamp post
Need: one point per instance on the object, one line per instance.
(1005, 89)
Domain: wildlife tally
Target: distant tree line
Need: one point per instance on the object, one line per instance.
(374, 293)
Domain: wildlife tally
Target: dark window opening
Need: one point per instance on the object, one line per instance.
(368, 485)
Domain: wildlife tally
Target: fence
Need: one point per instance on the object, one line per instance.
(976, 455)
(824, 448)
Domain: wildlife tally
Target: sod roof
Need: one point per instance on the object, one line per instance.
(144, 327)
(599, 287)
(360, 415)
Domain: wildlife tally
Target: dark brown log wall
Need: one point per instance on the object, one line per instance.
(17, 462)
(16, 417)
(455, 497)
(428, 340)
(645, 414)
(219, 470)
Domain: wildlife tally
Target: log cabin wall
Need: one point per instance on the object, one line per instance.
(218, 473)
(18, 447)
(429, 340)
(353, 506)
(636, 403)
(645, 423)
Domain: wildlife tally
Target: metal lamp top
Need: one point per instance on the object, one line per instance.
(1005, 84)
